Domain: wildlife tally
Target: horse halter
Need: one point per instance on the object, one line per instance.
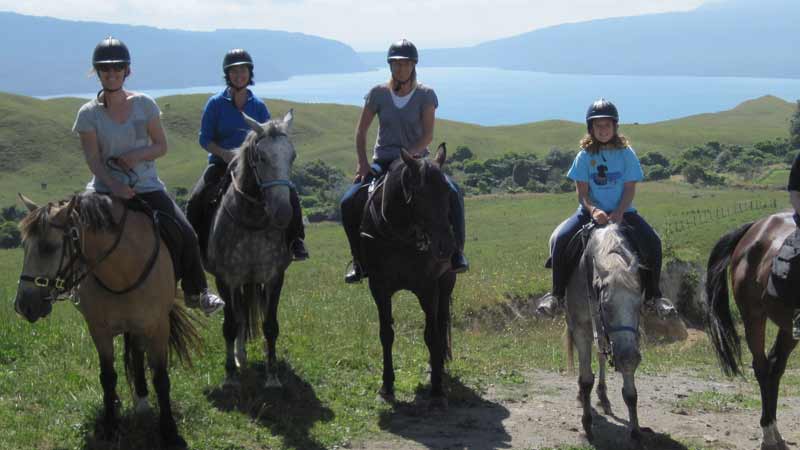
(252, 161)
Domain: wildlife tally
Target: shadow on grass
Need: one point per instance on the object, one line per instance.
(290, 411)
(470, 422)
(135, 431)
(613, 435)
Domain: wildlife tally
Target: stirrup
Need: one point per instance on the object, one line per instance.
(353, 273)
(550, 305)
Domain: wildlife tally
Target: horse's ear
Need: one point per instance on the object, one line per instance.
(73, 202)
(287, 120)
(253, 124)
(441, 154)
(28, 202)
(410, 161)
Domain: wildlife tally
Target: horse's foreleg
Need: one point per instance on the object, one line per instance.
(157, 358)
(229, 332)
(108, 379)
(139, 379)
(776, 365)
(602, 388)
(582, 337)
(631, 398)
(446, 284)
(433, 338)
(272, 330)
(383, 300)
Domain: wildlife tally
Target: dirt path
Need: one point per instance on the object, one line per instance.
(544, 413)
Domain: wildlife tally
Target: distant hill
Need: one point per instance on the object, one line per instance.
(38, 146)
(44, 56)
(742, 38)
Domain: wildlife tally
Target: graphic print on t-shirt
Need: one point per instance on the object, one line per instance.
(603, 177)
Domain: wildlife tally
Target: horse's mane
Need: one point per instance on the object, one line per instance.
(614, 256)
(96, 212)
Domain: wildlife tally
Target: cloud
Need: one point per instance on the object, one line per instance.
(363, 24)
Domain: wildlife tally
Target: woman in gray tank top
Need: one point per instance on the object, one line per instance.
(406, 113)
(121, 136)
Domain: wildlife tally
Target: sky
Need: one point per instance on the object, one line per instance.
(365, 25)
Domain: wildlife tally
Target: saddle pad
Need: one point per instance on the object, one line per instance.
(168, 229)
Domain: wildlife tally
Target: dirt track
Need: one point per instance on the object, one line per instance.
(544, 413)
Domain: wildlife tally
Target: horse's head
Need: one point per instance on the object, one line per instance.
(265, 161)
(615, 285)
(44, 233)
(426, 190)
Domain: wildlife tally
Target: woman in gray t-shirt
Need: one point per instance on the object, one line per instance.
(406, 113)
(121, 136)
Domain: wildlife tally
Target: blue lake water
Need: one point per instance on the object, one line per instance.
(502, 97)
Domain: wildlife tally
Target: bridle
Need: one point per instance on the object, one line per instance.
(253, 159)
(74, 267)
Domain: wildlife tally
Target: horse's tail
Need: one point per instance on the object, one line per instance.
(719, 322)
(184, 338)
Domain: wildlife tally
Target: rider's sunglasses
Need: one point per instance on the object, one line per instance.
(108, 67)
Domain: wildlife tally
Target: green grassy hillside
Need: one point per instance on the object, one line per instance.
(50, 393)
(38, 146)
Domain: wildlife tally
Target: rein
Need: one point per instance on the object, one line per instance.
(414, 234)
(69, 276)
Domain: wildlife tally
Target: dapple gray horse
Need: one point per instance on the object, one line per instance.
(604, 299)
(247, 249)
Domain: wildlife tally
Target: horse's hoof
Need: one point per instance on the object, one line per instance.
(636, 436)
(587, 428)
(272, 382)
(176, 443)
(142, 406)
(780, 445)
(386, 396)
(605, 405)
(438, 404)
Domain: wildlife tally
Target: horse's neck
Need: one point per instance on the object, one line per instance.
(125, 262)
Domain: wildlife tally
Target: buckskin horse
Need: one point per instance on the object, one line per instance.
(247, 250)
(114, 262)
(749, 252)
(406, 243)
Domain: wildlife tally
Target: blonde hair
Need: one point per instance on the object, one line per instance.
(591, 145)
(392, 82)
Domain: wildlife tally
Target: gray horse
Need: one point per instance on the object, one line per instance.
(247, 249)
(604, 300)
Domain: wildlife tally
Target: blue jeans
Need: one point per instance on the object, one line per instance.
(352, 208)
(639, 233)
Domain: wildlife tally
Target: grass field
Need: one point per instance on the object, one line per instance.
(50, 392)
(38, 146)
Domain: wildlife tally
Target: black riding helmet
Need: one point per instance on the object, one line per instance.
(402, 49)
(237, 57)
(601, 109)
(110, 51)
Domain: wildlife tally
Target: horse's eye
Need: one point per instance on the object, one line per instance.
(47, 248)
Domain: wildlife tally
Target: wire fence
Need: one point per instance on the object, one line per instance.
(687, 220)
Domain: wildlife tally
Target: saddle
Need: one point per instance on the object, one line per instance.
(167, 228)
(784, 279)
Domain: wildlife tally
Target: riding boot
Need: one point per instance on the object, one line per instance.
(796, 325)
(299, 251)
(661, 306)
(206, 301)
(354, 273)
(551, 304)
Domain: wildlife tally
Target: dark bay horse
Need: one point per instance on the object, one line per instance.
(120, 272)
(604, 301)
(749, 252)
(247, 249)
(406, 243)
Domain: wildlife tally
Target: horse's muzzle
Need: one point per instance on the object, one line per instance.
(32, 305)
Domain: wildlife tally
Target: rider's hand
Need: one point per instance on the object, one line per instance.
(121, 190)
(127, 161)
(616, 216)
(227, 156)
(599, 216)
(362, 170)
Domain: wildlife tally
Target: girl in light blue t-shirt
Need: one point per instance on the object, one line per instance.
(605, 173)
